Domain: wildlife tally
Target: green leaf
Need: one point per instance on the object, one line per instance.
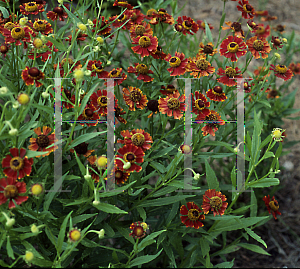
(211, 177)
(4, 12)
(235, 224)
(144, 259)
(81, 166)
(265, 142)
(168, 249)
(149, 240)
(225, 264)
(31, 153)
(265, 182)
(142, 213)
(110, 208)
(268, 155)
(208, 33)
(256, 139)
(2, 263)
(241, 209)
(84, 138)
(162, 152)
(254, 248)
(165, 200)
(43, 109)
(256, 237)
(253, 208)
(205, 248)
(83, 217)
(158, 167)
(228, 249)
(9, 249)
(264, 102)
(42, 262)
(172, 213)
(62, 232)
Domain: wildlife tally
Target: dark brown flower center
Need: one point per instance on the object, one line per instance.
(17, 33)
(135, 96)
(10, 192)
(67, 93)
(187, 25)
(89, 112)
(274, 205)
(138, 231)
(153, 105)
(58, 10)
(33, 72)
(144, 41)
(129, 157)
(102, 101)
(247, 8)
(193, 214)
(42, 141)
(3, 49)
(236, 26)
(280, 28)
(208, 49)
(199, 104)
(233, 47)
(211, 117)
(118, 174)
(142, 69)
(218, 89)
(173, 103)
(81, 148)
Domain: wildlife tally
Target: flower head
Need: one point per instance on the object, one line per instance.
(74, 235)
(228, 75)
(137, 137)
(191, 215)
(10, 189)
(145, 44)
(215, 201)
(177, 64)
(44, 142)
(277, 134)
(31, 8)
(257, 46)
(36, 189)
(17, 165)
(272, 206)
(282, 71)
(246, 9)
(172, 104)
(134, 96)
(216, 94)
(137, 230)
(141, 71)
(199, 67)
(29, 256)
(31, 75)
(233, 47)
(213, 119)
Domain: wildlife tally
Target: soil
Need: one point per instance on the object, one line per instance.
(282, 236)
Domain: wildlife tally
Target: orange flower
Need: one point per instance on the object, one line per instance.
(295, 68)
(134, 96)
(257, 46)
(43, 141)
(173, 103)
(208, 49)
(236, 27)
(97, 69)
(215, 201)
(188, 25)
(261, 31)
(199, 67)
(213, 119)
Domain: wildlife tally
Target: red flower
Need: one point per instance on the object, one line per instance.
(116, 73)
(88, 116)
(199, 67)
(281, 71)
(169, 90)
(141, 70)
(236, 27)
(131, 153)
(97, 69)
(177, 63)
(43, 141)
(188, 25)
(200, 105)
(80, 37)
(134, 96)
(246, 8)
(277, 43)
(31, 75)
(48, 47)
(42, 26)
(136, 17)
(95, 175)
(99, 101)
(213, 119)
(158, 53)
(17, 34)
(161, 16)
(138, 230)
(104, 28)
(58, 13)
(233, 47)
(295, 68)
(119, 20)
(31, 8)
(174, 103)
(145, 45)
(214, 200)
(17, 164)
(261, 31)
(257, 46)
(82, 149)
(272, 206)
(118, 112)
(122, 4)
(216, 94)
(228, 75)
(201, 25)
(137, 137)
(140, 30)
(191, 215)
(10, 189)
